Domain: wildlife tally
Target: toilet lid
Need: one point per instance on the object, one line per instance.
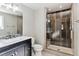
(37, 46)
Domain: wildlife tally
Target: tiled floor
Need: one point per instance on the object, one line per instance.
(47, 52)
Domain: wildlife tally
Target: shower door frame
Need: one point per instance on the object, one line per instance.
(60, 48)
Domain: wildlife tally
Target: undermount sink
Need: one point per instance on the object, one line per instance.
(10, 36)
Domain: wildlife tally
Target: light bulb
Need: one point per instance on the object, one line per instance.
(60, 6)
(15, 8)
(48, 20)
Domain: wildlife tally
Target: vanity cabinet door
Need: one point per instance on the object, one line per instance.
(27, 48)
(24, 49)
(19, 50)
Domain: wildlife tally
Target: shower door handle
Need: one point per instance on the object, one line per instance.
(58, 49)
(77, 21)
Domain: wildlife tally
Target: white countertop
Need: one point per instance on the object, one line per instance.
(6, 42)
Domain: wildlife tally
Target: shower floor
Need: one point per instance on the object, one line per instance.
(47, 52)
(62, 42)
(60, 49)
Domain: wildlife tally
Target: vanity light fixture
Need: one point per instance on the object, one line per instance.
(1, 4)
(15, 8)
(9, 6)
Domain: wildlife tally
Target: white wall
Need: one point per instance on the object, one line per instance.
(28, 21)
(34, 24)
(75, 17)
(40, 26)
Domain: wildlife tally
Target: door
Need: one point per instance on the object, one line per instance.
(19, 50)
(59, 35)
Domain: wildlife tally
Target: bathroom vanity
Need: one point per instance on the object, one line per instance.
(19, 46)
(12, 43)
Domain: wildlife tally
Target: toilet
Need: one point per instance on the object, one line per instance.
(36, 48)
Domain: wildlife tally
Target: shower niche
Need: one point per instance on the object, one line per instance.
(59, 29)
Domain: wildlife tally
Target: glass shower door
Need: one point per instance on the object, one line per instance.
(59, 30)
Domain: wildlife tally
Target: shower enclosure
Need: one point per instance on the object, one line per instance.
(59, 30)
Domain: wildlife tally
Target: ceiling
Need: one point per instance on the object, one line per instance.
(53, 6)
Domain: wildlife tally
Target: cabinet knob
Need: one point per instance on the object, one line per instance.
(13, 55)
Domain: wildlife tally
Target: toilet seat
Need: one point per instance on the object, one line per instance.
(37, 47)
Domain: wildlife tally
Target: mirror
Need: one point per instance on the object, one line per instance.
(11, 20)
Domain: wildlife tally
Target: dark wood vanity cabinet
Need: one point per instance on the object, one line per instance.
(27, 48)
(18, 49)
